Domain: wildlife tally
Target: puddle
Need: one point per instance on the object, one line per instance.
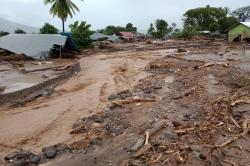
(18, 86)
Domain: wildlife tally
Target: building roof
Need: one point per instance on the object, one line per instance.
(114, 38)
(246, 24)
(98, 36)
(35, 45)
(127, 34)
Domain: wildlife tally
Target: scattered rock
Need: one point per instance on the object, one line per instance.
(49, 152)
(22, 158)
(121, 95)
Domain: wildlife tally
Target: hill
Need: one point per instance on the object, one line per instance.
(9, 26)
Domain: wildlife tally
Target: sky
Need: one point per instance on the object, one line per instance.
(100, 13)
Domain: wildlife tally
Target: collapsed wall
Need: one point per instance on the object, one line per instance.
(27, 94)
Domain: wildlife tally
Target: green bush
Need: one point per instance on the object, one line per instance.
(186, 33)
(81, 34)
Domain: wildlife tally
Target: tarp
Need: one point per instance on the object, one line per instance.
(70, 43)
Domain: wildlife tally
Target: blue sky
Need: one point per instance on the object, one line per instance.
(100, 13)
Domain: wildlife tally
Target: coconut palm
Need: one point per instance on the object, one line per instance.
(62, 9)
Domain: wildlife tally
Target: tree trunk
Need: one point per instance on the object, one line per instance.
(63, 25)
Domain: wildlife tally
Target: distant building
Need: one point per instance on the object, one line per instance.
(98, 36)
(114, 39)
(239, 32)
(127, 35)
(36, 45)
(140, 36)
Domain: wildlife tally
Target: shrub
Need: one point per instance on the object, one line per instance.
(81, 34)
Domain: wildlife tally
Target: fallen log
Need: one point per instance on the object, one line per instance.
(156, 127)
(247, 101)
(132, 100)
(212, 64)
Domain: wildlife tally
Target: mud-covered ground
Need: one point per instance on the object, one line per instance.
(173, 103)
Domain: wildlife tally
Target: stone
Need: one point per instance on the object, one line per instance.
(49, 153)
(35, 159)
(21, 162)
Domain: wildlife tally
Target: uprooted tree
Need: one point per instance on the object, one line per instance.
(81, 34)
(48, 29)
(242, 14)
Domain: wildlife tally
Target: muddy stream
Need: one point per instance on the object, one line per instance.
(46, 121)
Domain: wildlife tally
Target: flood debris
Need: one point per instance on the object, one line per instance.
(180, 122)
(22, 157)
(212, 64)
(6, 55)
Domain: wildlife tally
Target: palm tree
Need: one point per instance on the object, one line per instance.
(62, 9)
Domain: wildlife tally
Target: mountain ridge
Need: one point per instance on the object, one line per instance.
(10, 26)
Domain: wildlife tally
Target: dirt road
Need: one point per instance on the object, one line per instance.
(48, 120)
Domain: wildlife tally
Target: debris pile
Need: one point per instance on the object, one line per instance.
(6, 55)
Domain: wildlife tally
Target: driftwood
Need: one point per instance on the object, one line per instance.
(156, 127)
(185, 130)
(143, 150)
(212, 64)
(246, 130)
(247, 101)
(189, 91)
(132, 100)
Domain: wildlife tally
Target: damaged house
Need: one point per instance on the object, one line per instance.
(39, 45)
(127, 35)
(239, 32)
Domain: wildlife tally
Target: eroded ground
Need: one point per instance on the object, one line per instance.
(191, 97)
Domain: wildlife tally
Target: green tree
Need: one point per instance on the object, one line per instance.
(81, 34)
(48, 29)
(130, 28)
(62, 9)
(151, 30)
(242, 14)
(209, 18)
(20, 31)
(2, 33)
(162, 28)
(206, 18)
(226, 23)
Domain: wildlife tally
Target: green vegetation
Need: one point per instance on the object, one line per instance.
(62, 9)
(160, 29)
(208, 18)
(81, 34)
(20, 31)
(111, 29)
(186, 33)
(48, 29)
(242, 14)
(2, 33)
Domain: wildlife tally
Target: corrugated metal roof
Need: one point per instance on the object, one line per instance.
(246, 24)
(127, 34)
(35, 45)
(98, 36)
